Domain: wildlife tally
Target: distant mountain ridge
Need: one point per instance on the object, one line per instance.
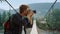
(41, 8)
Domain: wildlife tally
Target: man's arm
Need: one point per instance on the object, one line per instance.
(27, 22)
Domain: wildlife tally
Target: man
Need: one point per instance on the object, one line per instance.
(16, 21)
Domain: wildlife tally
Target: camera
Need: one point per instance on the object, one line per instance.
(34, 11)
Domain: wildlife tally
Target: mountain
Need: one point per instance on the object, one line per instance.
(41, 8)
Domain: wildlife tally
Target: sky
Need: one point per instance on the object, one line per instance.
(17, 3)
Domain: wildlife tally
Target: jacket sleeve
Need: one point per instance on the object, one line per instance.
(27, 22)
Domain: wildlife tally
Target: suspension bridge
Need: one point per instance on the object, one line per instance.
(34, 29)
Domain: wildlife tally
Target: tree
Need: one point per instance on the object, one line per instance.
(8, 15)
(4, 16)
(0, 19)
(2, 0)
(53, 19)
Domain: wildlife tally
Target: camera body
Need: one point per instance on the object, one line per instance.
(34, 11)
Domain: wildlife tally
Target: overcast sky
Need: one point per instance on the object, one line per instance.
(17, 3)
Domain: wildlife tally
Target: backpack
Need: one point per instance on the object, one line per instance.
(6, 25)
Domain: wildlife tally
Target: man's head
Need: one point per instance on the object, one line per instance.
(23, 9)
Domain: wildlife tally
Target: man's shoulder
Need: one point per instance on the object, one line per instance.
(13, 16)
(16, 15)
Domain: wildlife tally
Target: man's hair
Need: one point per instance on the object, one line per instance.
(22, 8)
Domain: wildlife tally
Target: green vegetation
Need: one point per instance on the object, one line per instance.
(41, 25)
(3, 18)
(52, 21)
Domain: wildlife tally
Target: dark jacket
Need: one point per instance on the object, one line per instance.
(14, 24)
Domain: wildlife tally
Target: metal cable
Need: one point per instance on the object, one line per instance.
(51, 7)
(11, 6)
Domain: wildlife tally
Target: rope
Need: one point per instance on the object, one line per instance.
(51, 7)
(11, 6)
